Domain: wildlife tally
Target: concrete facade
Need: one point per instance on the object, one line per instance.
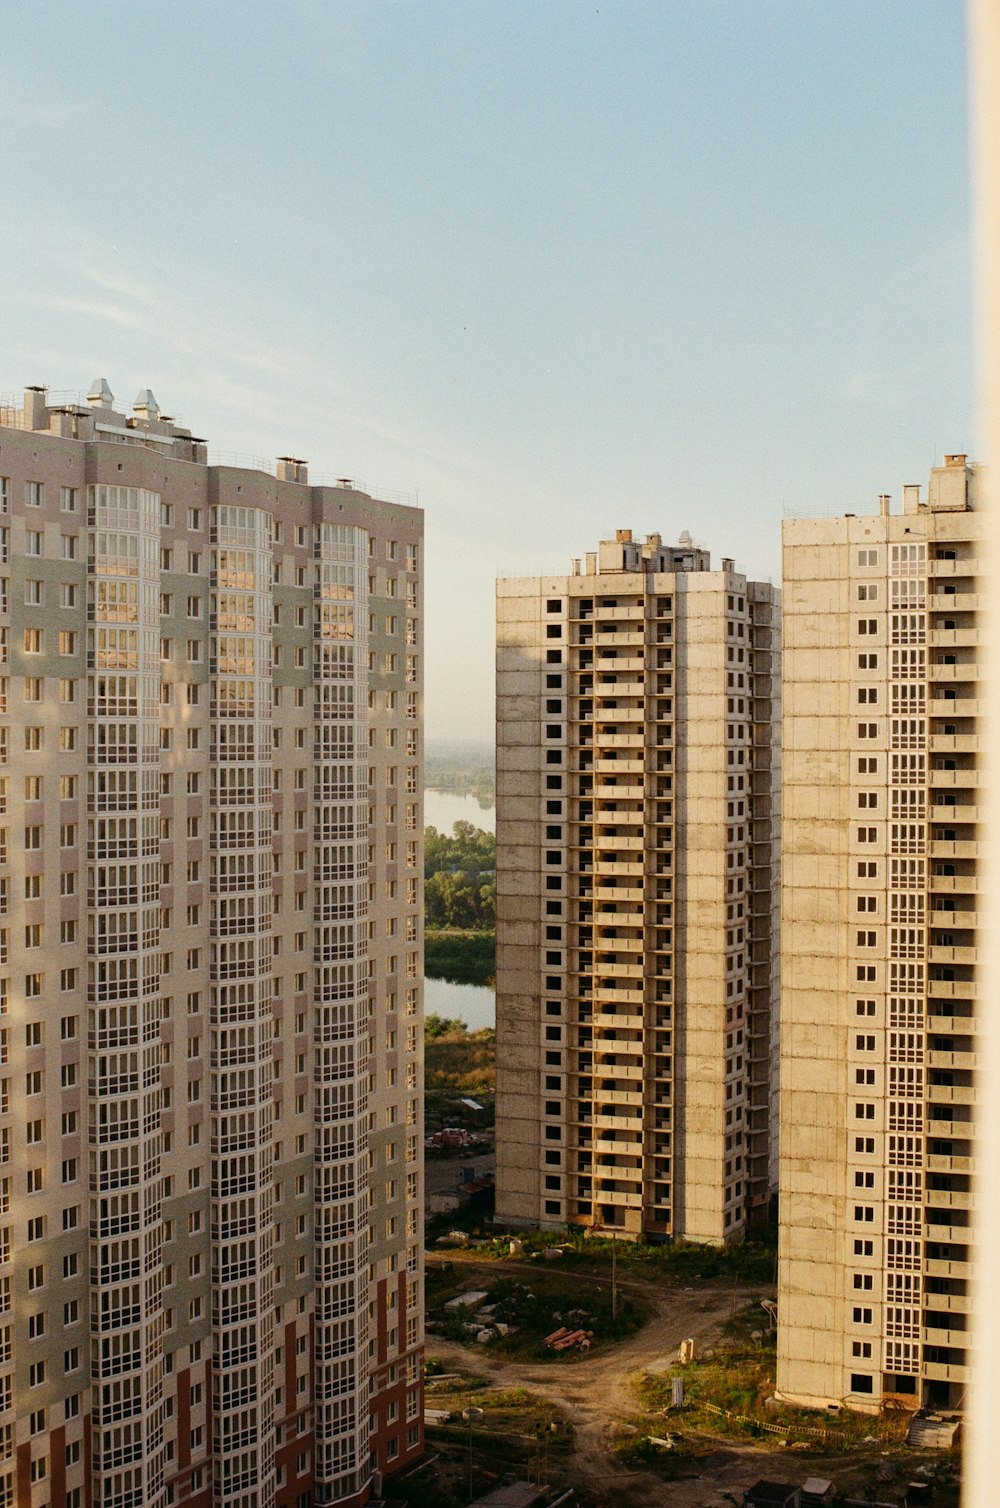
(879, 885)
(637, 812)
(210, 983)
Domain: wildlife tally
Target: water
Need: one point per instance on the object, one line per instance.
(442, 809)
(472, 1003)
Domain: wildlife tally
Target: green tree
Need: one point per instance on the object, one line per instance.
(488, 904)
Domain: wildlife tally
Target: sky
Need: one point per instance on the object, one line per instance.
(552, 268)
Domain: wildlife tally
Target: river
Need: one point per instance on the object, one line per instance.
(442, 809)
(472, 1003)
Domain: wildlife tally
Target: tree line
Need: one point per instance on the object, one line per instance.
(460, 888)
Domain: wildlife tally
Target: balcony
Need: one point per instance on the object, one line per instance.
(622, 917)
(934, 1268)
(958, 1234)
(947, 1021)
(959, 638)
(617, 713)
(935, 1163)
(948, 1199)
(955, 813)
(938, 1371)
(632, 1097)
(609, 943)
(951, 989)
(942, 954)
(957, 884)
(950, 848)
(626, 1199)
(963, 1060)
(633, 609)
(632, 816)
(958, 1339)
(621, 767)
(952, 707)
(953, 743)
(620, 1069)
(953, 1303)
(961, 673)
(957, 779)
(958, 601)
(633, 741)
(614, 842)
(619, 994)
(618, 664)
(950, 1094)
(611, 638)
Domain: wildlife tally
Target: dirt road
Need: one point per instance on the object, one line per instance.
(596, 1392)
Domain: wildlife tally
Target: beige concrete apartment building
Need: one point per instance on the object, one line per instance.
(879, 875)
(637, 814)
(210, 984)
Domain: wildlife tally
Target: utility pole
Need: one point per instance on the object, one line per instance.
(614, 1275)
(471, 1414)
(596, 1226)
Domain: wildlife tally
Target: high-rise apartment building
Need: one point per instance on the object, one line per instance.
(210, 984)
(637, 811)
(879, 1001)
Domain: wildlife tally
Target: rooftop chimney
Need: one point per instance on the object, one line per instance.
(291, 469)
(146, 405)
(100, 395)
(36, 413)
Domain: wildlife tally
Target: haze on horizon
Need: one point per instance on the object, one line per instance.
(559, 269)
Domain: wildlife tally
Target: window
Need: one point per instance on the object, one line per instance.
(34, 494)
(33, 542)
(67, 499)
(68, 546)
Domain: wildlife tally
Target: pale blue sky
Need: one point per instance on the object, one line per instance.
(560, 267)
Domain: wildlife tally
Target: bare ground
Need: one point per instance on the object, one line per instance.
(596, 1392)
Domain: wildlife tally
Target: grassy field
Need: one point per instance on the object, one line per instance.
(729, 1397)
(459, 1063)
(749, 1262)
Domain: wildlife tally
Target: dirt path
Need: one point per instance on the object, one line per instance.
(596, 1392)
